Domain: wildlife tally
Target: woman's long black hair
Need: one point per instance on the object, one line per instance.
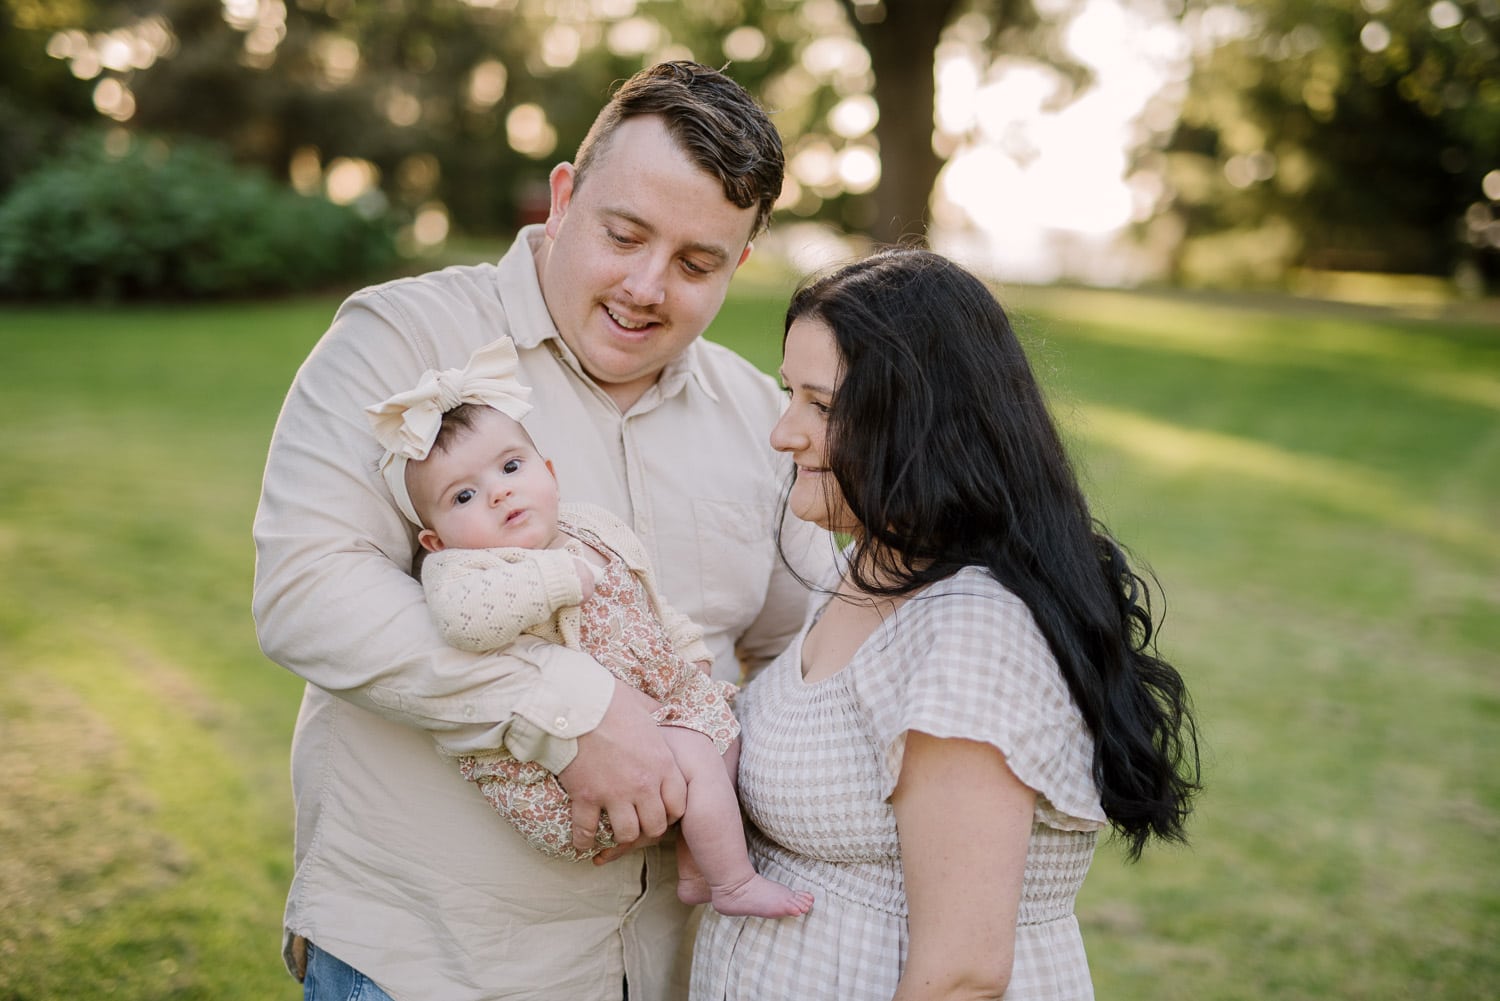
(947, 457)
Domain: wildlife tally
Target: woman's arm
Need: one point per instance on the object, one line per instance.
(964, 821)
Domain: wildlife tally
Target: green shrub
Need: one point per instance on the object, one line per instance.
(173, 221)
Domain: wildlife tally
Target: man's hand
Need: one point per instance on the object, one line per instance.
(625, 768)
(299, 957)
(618, 851)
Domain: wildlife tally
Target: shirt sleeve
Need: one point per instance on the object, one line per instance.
(333, 600)
(685, 634)
(484, 599)
(809, 555)
(966, 660)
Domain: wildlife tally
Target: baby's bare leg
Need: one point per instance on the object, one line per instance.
(715, 839)
(692, 885)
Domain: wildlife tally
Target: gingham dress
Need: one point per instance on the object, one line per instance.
(819, 762)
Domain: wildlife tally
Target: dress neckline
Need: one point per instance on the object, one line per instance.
(799, 670)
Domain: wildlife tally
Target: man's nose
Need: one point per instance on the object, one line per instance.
(646, 284)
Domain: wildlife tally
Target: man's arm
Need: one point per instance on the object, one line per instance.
(334, 604)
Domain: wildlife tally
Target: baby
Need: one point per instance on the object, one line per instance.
(506, 557)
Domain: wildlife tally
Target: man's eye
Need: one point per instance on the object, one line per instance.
(463, 497)
(511, 465)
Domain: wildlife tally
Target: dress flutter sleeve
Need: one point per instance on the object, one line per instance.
(964, 659)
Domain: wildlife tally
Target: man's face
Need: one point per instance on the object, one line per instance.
(639, 257)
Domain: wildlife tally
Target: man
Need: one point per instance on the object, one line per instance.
(406, 881)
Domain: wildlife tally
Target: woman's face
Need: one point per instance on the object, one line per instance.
(811, 370)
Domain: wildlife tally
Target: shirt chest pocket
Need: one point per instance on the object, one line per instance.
(736, 553)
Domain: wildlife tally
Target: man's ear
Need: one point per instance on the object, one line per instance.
(745, 254)
(429, 540)
(560, 192)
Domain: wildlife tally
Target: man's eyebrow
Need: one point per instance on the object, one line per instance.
(715, 251)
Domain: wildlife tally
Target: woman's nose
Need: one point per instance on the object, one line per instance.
(784, 435)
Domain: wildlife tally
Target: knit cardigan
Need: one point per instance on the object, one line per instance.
(484, 599)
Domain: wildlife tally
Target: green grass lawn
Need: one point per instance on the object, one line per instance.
(1317, 489)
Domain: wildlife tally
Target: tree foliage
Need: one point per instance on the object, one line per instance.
(114, 218)
(465, 104)
(902, 38)
(1341, 134)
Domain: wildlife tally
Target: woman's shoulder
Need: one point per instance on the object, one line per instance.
(969, 600)
(964, 633)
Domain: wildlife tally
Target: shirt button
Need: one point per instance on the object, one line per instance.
(468, 712)
(561, 723)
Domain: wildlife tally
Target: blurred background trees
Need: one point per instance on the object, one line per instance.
(1284, 134)
(1346, 135)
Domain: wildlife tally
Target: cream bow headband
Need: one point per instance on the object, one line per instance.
(407, 424)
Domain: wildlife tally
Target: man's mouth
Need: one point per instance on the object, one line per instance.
(628, 324)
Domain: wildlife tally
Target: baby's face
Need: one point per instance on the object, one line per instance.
(489, 489)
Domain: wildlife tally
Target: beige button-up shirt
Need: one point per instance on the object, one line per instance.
(402, 869)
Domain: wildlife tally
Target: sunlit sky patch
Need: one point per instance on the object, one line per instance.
(1039, 190)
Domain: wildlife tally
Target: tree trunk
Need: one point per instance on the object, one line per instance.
(903, 47)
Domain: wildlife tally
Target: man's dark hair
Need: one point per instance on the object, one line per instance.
(712, 119)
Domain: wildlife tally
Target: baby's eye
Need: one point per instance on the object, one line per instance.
(463, 497)
(511, 465)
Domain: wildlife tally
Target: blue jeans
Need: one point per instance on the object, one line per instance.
(331, 979)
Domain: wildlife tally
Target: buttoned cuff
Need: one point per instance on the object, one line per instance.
(568, 701)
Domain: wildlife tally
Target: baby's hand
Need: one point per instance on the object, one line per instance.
(585, 579)
(707, 667)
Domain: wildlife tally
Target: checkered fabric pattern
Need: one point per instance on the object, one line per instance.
(819, 761)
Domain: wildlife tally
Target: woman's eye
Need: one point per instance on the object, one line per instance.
(463, 497)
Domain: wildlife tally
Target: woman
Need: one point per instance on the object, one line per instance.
(934, 757)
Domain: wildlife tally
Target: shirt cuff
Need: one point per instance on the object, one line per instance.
(568, 700)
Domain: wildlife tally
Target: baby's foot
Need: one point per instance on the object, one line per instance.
(762, 898)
